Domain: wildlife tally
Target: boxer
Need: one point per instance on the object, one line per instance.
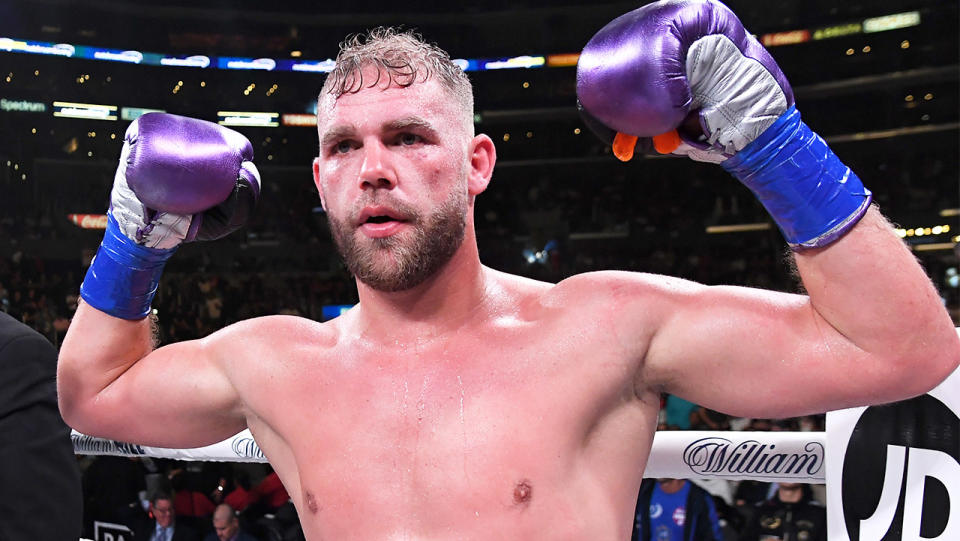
(458, 402)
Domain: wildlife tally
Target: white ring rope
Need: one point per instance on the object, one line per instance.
(683, 454)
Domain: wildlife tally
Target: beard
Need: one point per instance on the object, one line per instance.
(398, 262)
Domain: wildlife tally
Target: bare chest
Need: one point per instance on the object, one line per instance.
(431, 440)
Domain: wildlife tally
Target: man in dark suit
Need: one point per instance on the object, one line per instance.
(163, 525)
(40, 496)
(226, 526)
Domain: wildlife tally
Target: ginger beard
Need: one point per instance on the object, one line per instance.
(405, 260)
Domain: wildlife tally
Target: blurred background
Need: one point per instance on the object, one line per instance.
(878, 79)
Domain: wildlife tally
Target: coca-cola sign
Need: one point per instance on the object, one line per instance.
(722, 457)
(89, 221)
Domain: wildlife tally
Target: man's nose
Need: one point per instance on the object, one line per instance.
(376, 170)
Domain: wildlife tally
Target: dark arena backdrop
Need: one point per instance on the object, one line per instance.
(878, 79)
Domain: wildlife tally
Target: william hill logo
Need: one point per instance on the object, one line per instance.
(716, 456)
(246, 448)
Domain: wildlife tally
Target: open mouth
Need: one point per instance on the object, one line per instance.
(380, 220)
(379, 215)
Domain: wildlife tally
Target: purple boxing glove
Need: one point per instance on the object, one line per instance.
(685, 77)
(179, 179)
(647, 71)
(182, 179)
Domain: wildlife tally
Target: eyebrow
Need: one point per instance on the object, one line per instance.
(336, 133)
(408, 122)
(346, 131)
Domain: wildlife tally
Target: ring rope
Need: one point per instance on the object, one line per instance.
(684, 454)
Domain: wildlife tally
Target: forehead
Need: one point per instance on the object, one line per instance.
(376, 105)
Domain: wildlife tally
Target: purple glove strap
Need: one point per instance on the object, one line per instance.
(809, 192)
(124, 276)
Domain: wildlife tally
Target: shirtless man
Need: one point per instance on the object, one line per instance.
(458, 402)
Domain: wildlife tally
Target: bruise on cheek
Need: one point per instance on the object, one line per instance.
(311, 502)
(522, 493)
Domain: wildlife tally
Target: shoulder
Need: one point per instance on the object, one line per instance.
(18, 343)
(269, 337)
(620, 292)
(618, 301)
(273, 331)
(611, 285)
(12, 330)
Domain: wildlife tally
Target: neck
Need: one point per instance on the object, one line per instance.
(441, 303)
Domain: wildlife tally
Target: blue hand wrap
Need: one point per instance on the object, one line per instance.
(809, 192)
(124, 276)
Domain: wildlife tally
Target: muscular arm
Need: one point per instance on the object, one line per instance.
(178, 180)
(112, 384)
(872, 330)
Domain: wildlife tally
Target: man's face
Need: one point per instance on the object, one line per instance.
(226, 527)
(163, 512)
(392, 174)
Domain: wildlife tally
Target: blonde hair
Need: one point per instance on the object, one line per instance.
(400, 56)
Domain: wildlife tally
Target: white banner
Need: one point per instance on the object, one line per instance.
(893, 471)
(239, 448)
(107, 531)
(685, 454)
(796, 457)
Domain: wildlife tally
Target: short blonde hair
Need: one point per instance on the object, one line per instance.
(403, 58)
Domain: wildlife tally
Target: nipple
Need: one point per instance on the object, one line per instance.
(522, 492)
(311, 502)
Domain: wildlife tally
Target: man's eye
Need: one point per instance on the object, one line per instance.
(409, 139)
(343, 147)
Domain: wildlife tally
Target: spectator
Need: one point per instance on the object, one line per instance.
(190, 503)
(111, 491)
(751, 493)
(40, 496)
(708, 419)
(675, 510)
(226, 526)
(270, 492)
(790, 514)
(241, 495)
(163, 524)
(679, 412)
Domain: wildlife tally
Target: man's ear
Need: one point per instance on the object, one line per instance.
(316, 182)
(483, 157)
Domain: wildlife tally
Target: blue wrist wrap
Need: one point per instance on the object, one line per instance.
(124, 276)
(809, 192)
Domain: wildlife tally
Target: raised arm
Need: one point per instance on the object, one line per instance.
(179, 180)
(872, 329)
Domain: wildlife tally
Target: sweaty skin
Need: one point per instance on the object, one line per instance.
(480, 405)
